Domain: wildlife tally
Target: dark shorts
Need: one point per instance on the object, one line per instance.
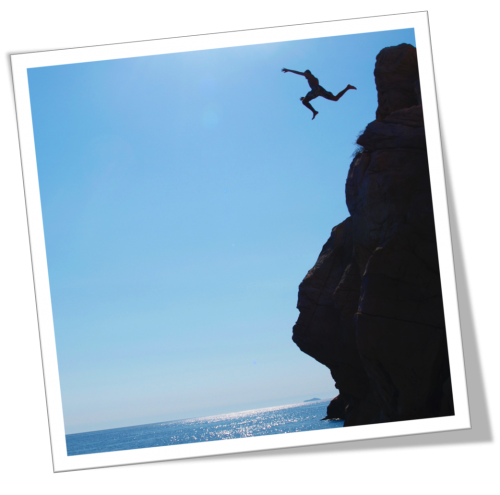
(315, 92)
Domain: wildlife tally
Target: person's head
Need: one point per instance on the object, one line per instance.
(307, 72)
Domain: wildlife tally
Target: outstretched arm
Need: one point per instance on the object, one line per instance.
(294, 71)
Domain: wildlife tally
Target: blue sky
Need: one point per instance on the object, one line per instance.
(184, 198)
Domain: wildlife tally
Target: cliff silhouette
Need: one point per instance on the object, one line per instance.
(371, 307)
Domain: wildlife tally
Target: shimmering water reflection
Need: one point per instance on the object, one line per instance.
(269, 421)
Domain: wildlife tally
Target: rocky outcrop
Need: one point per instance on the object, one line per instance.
(371, 307)
(396, 77)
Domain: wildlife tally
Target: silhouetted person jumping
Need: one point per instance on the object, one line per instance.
(317, 90)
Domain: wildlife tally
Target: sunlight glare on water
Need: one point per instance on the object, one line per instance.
(258, 422)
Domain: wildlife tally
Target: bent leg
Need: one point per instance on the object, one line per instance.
(305, 102)
(332, 97)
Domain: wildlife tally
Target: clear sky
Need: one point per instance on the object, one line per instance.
(184, 198)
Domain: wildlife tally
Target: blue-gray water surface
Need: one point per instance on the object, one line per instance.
(269, 421)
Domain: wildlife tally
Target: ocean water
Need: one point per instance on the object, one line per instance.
(269, 421)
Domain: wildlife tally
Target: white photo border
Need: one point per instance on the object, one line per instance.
(20, 65)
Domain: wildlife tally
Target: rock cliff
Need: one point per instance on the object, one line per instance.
(371, 307)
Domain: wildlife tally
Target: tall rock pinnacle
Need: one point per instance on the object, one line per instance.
(371, 307)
